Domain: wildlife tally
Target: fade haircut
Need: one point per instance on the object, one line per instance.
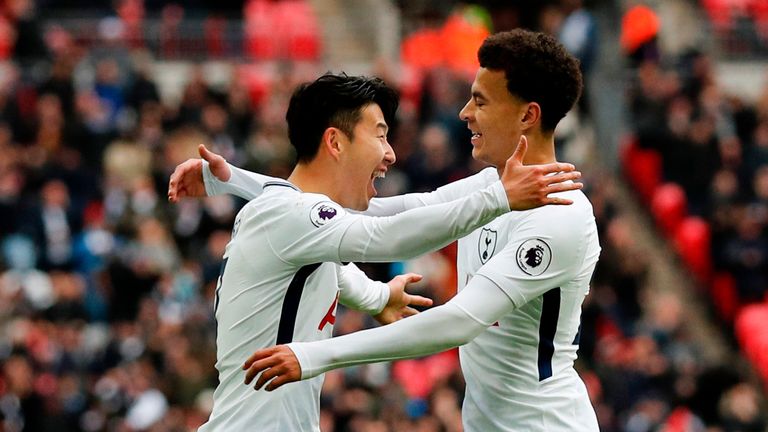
(334, 100)
(538, 69)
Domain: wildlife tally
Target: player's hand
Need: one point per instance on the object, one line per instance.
(278, 364)
(400, 302)
(187, 178)
(529, 186)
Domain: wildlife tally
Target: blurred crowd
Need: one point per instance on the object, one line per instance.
(106, 289)
(679, 110)
(741, 24)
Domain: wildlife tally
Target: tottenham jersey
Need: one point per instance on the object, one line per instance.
(274, 289)
(519, 372)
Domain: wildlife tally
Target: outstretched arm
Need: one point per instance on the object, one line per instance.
(389, 206)
(358, 238)
(455, 323)
(212, 175)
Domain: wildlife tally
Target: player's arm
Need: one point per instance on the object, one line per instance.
(387, 302)
(453, 324)
(506, 282)
(420, 230)
(358, 238)
(212, 175)
(389, 206)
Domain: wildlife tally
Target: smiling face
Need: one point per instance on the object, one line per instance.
(368, 157)
(494, 116)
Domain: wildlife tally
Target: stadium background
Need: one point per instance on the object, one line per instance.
(105, 288)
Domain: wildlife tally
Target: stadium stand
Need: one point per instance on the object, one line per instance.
(710, 147)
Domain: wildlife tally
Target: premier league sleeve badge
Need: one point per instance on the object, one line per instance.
(534, 257)
(323, 212)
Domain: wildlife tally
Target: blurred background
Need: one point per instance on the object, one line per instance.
(106, 289)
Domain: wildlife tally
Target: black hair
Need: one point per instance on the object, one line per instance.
(334, 100)
(538, 69)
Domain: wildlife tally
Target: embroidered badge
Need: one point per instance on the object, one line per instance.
(486, 245)
(534, 257)
(323, 212)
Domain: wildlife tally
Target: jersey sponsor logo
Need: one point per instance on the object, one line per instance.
(330, 316)
(486, 246)
(534, 257)
(323, 212)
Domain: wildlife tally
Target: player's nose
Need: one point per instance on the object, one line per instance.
(389, 154)
(466, 112)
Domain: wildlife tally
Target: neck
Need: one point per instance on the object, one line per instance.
(541, 150)
(313, 177)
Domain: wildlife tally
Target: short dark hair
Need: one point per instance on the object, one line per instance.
(334, 100)
(538, 69)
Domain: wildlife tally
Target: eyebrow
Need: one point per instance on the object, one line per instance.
(476, 94)
(382, 125)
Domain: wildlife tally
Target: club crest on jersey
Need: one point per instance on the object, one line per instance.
(323, 212)
(534, 257)
(486, 246)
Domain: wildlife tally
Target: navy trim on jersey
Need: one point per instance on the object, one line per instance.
(291, 303)
(577, 339)
(550, 311)
(284, 184)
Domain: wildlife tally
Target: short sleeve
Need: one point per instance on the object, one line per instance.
(542, 254)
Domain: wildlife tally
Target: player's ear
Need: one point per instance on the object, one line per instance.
(530, 115)
(333, 142)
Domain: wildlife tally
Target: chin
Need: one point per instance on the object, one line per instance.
(479, 155)
(475, 153)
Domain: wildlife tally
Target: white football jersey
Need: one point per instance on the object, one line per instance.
(280, 281)
(519, 372)
(267, 294)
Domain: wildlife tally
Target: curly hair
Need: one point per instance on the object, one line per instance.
(538, 69)
(334, 100)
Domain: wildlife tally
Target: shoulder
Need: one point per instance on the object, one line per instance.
(559, 226)
(292, 208)
(581, 209)
(489, 174)
(320, 210)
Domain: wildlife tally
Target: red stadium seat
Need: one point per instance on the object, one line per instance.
(259, 42)
(642, 167)
(419, 376)
(724, 296)
(215, 36)
(752, 334)
(759, 11)
(6, 38)
(681, 419)
(301, 32)
(258, 82)
(692, 240)
(720, 13)
(411, 87)
(669, 207)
